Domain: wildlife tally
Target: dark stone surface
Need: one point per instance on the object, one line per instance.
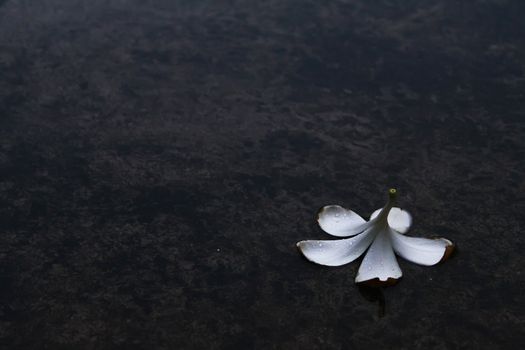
(159, 160)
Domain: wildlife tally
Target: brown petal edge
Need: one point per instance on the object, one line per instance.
(449, 250)
(376, 282)
(319, 212)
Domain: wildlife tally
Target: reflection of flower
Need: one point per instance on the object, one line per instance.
(384, 234)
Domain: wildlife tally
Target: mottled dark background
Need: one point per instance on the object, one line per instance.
(159, 160)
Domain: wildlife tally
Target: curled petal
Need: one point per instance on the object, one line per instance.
(336, 252)
(379, 266)
(340, 222)
(423, 251)
(399, 219)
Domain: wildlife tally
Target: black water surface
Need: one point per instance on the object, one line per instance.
(159, 160)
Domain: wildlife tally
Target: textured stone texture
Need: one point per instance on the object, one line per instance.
(159, 160)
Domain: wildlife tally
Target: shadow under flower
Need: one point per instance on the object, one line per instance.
(374, 294)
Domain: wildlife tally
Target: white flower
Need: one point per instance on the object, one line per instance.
(384, 234)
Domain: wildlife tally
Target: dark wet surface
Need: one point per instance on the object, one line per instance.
(159, 160)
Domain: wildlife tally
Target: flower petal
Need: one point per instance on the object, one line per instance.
(340, 222)
(336, 252)
(379, 266)
(399, 219)
(423, 251)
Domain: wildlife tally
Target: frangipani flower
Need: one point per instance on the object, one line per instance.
(382, 235)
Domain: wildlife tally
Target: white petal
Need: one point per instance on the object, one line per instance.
(399, 219)
(379, 265)
(423, 251)
(340, 222)
(336, 252)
